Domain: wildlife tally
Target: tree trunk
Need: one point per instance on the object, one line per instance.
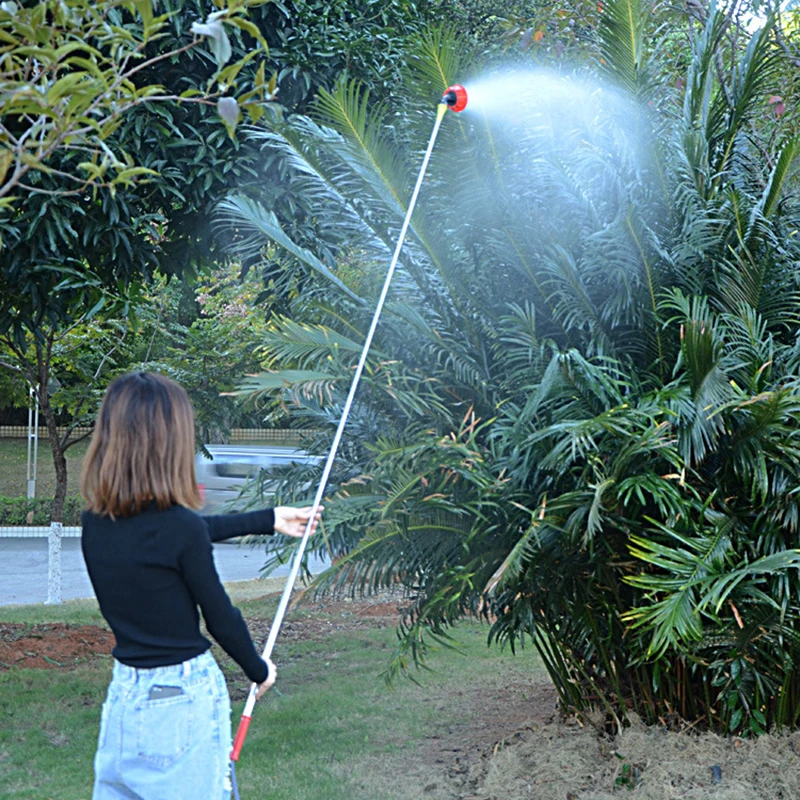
(59, 459)
(43, 354)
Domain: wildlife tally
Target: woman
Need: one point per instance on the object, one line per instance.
(165, 727)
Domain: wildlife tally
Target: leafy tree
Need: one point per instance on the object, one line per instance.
(579, 417)
(312, 43)
(86, 238)
(71, 71)
(568, 34)
(208, 351)
(66, 366)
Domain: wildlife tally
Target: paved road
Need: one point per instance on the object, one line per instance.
(23, 568)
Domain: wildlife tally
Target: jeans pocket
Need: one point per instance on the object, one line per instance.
(164, 729)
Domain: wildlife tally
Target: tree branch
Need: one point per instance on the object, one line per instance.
(27, 369)
(793, 54)
(5, 365)
(77, 440)
(46, 150)
(65, 441)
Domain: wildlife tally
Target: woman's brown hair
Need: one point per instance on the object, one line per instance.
(142, 450)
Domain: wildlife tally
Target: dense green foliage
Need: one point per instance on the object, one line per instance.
(580, 416)
(72, 69)
(78, 238)
(87, 231)
(205, 336)
(38, 511)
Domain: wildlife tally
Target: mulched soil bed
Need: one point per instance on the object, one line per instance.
(52, 646)
(336, 616)
(59, 645)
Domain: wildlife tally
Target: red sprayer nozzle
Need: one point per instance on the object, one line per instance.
(455, 98)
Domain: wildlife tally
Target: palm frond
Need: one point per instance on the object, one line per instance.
(436, 61)
(700, 79)
(364, 147)
(732, 108)
(622, 29)
(778, 176)
(261, 225)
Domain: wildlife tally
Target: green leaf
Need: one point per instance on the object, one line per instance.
(251, 28)
(245, 211)
(68, 84)
(736, 720)
(129, 175)
(779, 174)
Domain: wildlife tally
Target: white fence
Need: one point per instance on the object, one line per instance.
(35, 531)
(274, 435)
(55, 532)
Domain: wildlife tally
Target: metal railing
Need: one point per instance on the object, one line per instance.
(35, 531)
(276, 435)
(55, 532)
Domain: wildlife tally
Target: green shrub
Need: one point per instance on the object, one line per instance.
(21, 511)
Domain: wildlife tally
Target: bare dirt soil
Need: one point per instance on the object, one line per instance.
(60, 645)
(512, 742)
(52, 645)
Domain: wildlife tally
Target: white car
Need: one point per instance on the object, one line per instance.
(222, 477)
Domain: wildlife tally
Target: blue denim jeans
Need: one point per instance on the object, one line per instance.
(165, 734)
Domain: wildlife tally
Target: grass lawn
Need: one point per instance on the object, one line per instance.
(13, 462)
(332, 729)
(480, 727)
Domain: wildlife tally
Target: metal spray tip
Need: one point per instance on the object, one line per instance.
(455, 98)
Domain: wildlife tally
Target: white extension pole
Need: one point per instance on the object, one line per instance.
(244, 724)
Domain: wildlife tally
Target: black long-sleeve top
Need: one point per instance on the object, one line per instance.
(151, 571)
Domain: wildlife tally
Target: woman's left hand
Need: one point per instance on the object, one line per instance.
(293, 521)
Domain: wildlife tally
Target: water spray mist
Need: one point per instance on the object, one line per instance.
(455, 99)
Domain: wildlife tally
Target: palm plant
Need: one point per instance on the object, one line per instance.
(578, 420)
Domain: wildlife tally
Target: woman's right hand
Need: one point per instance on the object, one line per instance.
(271, 675)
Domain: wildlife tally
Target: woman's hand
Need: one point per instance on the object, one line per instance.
(293, 521)
(271, 675)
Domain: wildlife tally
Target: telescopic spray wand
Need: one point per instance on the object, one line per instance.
(455, 99)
